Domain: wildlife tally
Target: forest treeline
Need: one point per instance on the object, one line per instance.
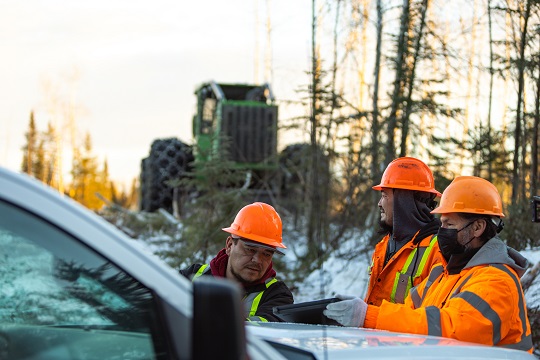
(454, 83)
(89, 183)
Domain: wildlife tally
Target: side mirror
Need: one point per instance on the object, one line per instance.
(535, 208)
(218, 320)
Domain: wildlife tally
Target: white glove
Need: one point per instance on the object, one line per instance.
(351, 311)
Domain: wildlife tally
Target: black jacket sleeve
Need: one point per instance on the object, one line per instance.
(277, 294)
(190, 271)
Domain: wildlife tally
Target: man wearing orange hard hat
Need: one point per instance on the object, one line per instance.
(475, 295)
(255, 237)
(408, 250)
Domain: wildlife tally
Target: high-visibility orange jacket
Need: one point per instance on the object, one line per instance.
(484, 303)
(406, 269)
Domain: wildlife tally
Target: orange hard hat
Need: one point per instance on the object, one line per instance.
(408, 173)
(258, 222)
(470, 194)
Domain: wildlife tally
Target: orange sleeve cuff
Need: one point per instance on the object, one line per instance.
(372, 314)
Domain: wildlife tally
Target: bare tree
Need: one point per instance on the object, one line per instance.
(490, 101)
(401, 55)
(524, 19)
(534, 146)
(313, 233)
(405, 118)
(536, 124)
(375, 111)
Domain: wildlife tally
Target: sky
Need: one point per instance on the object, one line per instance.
(126, 69)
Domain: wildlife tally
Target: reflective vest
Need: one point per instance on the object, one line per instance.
(406, 269)
(251, 300)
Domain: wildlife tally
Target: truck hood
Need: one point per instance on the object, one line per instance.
(335, 342)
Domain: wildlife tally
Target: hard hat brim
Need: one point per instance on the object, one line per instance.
(262, 246)
(255, 238)
(380, 187)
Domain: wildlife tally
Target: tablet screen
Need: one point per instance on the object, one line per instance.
(310, 312)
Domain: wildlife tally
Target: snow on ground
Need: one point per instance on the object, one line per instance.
(339, 274)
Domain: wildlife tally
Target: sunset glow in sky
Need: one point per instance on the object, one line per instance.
(125, 71)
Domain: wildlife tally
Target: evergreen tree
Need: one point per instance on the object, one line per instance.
(47, 157)
(104, 183)
(30, 149)
(86, 183)
(39, 164)
(39, 153)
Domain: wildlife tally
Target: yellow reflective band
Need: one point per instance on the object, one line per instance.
(394, 288)
(403, 276)
(269, 283)
(425, 257)
(256, 318)
(255, 303)
(199, 272)
(399, 276)
(257, 299)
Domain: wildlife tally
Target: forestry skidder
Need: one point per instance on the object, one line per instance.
(234, 123)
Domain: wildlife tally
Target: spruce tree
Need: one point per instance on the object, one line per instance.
(28, 164)
(85, 183)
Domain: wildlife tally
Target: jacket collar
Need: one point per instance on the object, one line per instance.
(495, 251)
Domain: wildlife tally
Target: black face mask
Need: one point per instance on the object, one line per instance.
(448, 243)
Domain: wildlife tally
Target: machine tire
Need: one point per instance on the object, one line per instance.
(169, 159)
(295, 172)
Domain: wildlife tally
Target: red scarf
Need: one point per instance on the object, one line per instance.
(218, 265)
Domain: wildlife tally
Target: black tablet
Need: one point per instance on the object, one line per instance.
(310, 312)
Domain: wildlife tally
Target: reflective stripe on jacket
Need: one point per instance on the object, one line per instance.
(484, 303)
(252, 301)
(205, 268)
(407, 268)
